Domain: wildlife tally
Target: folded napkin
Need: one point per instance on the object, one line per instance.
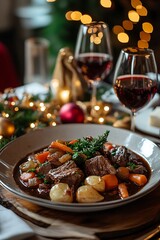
(13, 227)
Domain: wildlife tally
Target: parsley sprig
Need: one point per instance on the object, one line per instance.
(88, 146)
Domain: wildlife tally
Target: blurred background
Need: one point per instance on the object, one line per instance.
(131, 23)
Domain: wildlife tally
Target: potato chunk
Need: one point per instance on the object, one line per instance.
(87, 194)
(61, 192)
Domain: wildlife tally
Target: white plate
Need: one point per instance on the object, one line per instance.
(38, 139)
(142, 123)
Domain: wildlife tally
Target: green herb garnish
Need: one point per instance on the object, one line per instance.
(40, 175)
(131, 165)
(88, 146)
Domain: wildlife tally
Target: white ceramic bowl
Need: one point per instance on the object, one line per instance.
(33, 141)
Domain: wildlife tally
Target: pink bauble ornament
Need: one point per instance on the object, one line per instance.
(71, 113)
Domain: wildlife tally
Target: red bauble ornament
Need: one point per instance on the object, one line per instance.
(71, 113)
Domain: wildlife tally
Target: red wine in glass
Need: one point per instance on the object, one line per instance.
(135, 91)
(94, 66)
(135, 79)
(93, 54)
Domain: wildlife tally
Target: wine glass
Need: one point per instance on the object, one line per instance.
(135, 79)
(93, 54)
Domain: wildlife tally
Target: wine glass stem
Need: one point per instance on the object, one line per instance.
(133, 116)
(94, 94)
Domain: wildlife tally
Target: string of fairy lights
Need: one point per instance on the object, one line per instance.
(137, 12)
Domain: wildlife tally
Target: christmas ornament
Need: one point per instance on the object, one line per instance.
(7, 128)
(71, 113)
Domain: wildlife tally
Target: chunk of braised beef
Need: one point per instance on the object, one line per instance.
(67, 173)
(44, 168)
(99, 166)
(140, 169)
(134, 158)
(120, 156)
(44, 190)
(53, 158)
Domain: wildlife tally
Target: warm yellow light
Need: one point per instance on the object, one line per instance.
(68, 15)
(32, 125)
(123, 37)
(142, 11)
(6, 115)
(117, 29)
(16, 109)
(1, 136)
(145, 36)
(92, 30)
(97, 108)
(133, 16)
(13, 103)
(143, 44)
(106, 3)
(147, 27)
(64, 95)
(76, 15)
(49, 115)
(136, 3)
(106, 108)
(54, 124)
(127, 24)
(97, 40)
(86, 19)
(31, 104)
(101, 120)
(100, 34)
(92, 38)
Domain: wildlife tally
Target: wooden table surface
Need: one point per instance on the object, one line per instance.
(132, 221)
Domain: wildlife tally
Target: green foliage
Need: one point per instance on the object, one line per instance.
(88, 145)
(22, 119)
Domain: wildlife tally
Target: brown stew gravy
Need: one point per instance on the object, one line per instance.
(108, 195)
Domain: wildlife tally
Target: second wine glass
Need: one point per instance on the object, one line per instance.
(135, 79)
(93, 54)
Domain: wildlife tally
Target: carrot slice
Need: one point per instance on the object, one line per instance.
(139, 179)
(42, 157)
(73, 141)
(61, 146)
(25, 176)
(108, 146)
(123, 190)
(111, 181)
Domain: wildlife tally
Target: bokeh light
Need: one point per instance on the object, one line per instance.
(68, 15)
(127, 24)
(142, 11)
(133, 16)
(123, 37)
(143, 44)
(106, 3)
(117, 29)
(136, 3)
(86, 19)
(136, 11)
(145, 36)
(76, 16)
(147, 27)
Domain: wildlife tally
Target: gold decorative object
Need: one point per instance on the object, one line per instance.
(7, 128)
(67, 84)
